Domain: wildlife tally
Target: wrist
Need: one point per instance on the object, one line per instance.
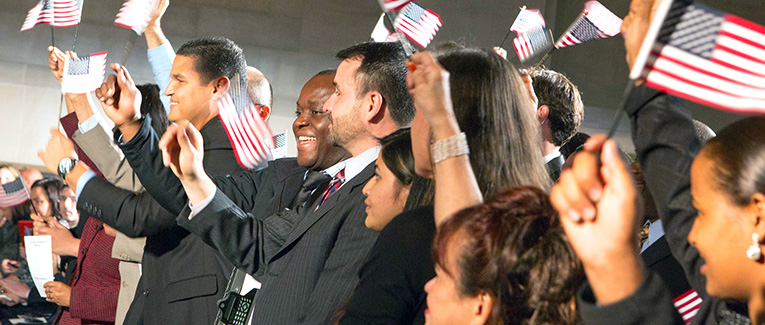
(198, 188)
(444, 126)
(129, 129)
(616, 277)
(74, 175)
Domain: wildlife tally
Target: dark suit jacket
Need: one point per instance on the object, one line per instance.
(666, 144)
(306, 262)
(182, 277)
(554, 167)
(659, 259)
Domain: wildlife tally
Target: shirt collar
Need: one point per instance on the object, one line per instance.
(555, 154)
(655, 231)
(355, 165)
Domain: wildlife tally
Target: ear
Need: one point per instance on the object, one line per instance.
(374, 106)
(265, 112)
(542, 113)
(483, 307)
(757, 206)
(220, 85)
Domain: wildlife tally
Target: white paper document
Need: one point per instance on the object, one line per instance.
(39, 260)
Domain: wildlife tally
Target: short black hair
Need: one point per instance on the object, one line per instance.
(562, 97)
(383, 68)
(216, 57)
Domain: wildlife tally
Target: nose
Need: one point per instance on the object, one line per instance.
(692, 234)
(429, 285)
(169, 90)
(329, 104)
(368, 186)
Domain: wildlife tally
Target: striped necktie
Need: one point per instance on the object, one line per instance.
(334, 185)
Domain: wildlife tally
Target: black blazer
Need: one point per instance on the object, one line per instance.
(182, 277)
(307, 262)
(659, 259)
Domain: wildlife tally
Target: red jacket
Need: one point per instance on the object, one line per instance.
(95, 282)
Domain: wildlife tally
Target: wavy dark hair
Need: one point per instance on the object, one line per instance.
(513, 248)
(492, 109)
(738, 153)
(52, 188)
(152, 105)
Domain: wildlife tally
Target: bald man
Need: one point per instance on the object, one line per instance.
(260, 91)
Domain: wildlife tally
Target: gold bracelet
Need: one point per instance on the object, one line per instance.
(452, 146)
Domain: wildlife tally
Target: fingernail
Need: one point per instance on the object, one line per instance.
(589, 213)
(574, 215)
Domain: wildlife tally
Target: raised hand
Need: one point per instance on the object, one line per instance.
(183, 150)
(157, 13)
(120, 99)
(58, 147)
(635, 26)
(58, 293)
(56, 62)
(428, 83)
(62, 240)
(599, 209)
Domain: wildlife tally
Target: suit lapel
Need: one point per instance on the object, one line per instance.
(656, 252)
(336, 200)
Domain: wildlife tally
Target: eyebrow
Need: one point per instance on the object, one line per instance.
(177, 76)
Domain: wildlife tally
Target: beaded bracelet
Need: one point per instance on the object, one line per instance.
(452, 146)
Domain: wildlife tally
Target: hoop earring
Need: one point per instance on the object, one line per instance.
(754, 252)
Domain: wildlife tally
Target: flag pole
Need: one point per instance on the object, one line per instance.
(132, 37)
(547, 55)
(29, 197)
(510, 30)
(408, 49)
(52, 37)
(620, 110)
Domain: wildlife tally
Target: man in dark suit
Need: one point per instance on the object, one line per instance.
(307, 260)
(182, 277)
(560, 112)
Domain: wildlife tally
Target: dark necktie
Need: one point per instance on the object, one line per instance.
(334, 185)
(311, 182)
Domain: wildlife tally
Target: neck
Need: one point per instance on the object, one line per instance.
(361, 144)
(756, 306)
(548, 147)
(201, 122)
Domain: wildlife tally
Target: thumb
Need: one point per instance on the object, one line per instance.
(616, 173)
(183, 140)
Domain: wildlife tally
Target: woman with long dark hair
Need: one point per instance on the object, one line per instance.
(466, 90)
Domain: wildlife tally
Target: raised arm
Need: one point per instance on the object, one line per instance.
(428, 83)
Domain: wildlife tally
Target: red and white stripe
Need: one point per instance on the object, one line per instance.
(64, 13)
(249, 134)
(83, 84)
(420, 32)
(522, 47)
(734, 78)
(135, 14)
(687, 305)
(605, 20)
(393, 5)
(13, 193)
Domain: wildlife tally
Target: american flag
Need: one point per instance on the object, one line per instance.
(13, 193)
(135, 14)
(418, 23)
(381, 33)
(280, 150)
(528, 20)
(393, 5)
(687, 305)
(528, 44)
(83, 75)
(57, 13)
(705, 55)
(595, 22)
(249, 134)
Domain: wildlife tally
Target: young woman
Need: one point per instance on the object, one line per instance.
(482, 94)
(388, 190)
(506, 261)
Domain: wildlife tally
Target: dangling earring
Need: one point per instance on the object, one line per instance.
(754, 252)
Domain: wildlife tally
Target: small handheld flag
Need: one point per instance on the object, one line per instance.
(381, 33)
(418, 23)
(531, 43)
(57, 13)
(83, 75)
(595, 22)
(393, 5)
(704, 55)
(528, 20)
(135, 14)
(249, 134)
(13, 193)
